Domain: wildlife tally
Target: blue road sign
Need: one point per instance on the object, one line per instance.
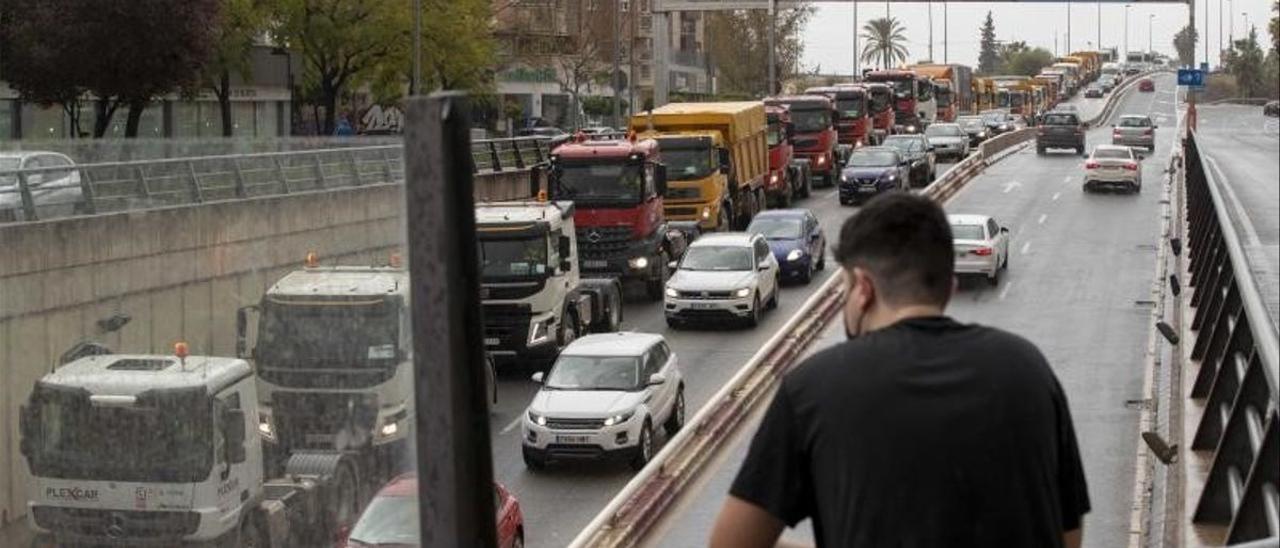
(1191, 77)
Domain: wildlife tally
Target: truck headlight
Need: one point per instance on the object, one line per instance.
(911, 129)
(638, 263)
(537, 419)
(388, 430)
(795, 255)
(672, 293)
(773, 178)
(619, 418)
(706, 212)
(742, 292)
(265, 428)
(538, 332)
(822, 159)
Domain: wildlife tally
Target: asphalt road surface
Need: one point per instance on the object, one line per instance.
(1242, 148)
(1078, 286)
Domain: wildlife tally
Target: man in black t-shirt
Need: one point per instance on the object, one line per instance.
(919, 431)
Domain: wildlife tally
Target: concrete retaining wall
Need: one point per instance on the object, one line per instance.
(180, 272)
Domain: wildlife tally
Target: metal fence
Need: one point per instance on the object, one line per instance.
(1236, 346)
(45, 191)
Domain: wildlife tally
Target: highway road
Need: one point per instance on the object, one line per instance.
(1242, 147)
(558, 502)
(1078, 286)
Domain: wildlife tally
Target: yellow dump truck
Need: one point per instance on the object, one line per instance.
(1092, 62)
(984, 94)
(717, 158)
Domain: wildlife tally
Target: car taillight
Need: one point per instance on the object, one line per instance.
(1148, 131)
(1131, 166)
(1091, 165)
(981, 251)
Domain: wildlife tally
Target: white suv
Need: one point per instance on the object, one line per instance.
(723, 277)
(603, 398)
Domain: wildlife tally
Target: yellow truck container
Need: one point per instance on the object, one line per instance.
(1092, 61)
(984, 93)
(716, 156)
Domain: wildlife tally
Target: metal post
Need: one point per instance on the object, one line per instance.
(945, 58)
(856, 73)
(241, 192)
(1220, 50)
(320, 183)
(1206, 31)
(1066, 49)
(1099, 25)
(661, 48)
(929, 6)
(1151, 17)
(417, 49)
(197, 194)
(28, 202)
(1231, 25)
(454, 459)
(1126, 33)
(772, 57)
(614, 77)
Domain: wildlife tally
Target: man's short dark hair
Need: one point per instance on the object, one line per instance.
(904, 241)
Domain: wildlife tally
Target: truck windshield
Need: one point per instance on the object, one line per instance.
(517, 258)
(880, 100)
(328, 335)
(686, 164)
(904, 89)
(1003, 99)
(775, 135)
(165, 437)
(851, 108)
(944, 97)
(810, 120)
(603, 182)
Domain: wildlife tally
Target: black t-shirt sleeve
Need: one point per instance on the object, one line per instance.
(775, 475)
(1072, 490)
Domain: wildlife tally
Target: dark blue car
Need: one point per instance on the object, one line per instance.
(796, 240)
(872, 171)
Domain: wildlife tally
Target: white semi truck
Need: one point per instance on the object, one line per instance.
(151, 450)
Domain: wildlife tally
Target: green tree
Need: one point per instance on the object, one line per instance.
(1185, 43)
(1274, 26)
(344, 44)
(458, 46)
(737, 43)
(988, 58)
(38, 57)
(884, 42)
(239, 24)
(1246, 63)
(1026, 62)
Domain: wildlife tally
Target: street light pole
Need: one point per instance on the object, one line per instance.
(773, 74)
(1150, 19)
(930, 8)
(855, 39)
(1126, 32)
(945, 59)
(1099, 25)
(1220, 50)
(617, 70)
(1067, 46)
(1231, 24)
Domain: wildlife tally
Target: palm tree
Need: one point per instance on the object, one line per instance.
(885, 41)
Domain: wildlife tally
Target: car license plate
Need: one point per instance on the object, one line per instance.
(491, 341)
(579, 440)
(319, 439)
(702, 306)
(595, 264)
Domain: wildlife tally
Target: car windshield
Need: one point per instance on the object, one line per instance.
(513, 258)
(905, 145)
(686, 164)
(1135, 122)
(970, 122)
(1111, 154)
(943, 97)
(850, 108)
(810, 120)
(993, 117)
(328, 334)
(944, 131)
(967, 232)
(1059, 120)
(388, 520)
(7, 164)
(601, 182)
(776, 228)
(717, 257)
(882, 158)
(594, 373)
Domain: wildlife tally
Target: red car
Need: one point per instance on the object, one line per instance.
(391, 519)
(1146, 85)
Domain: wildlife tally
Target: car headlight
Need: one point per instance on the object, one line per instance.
(857, 143)
(537, 419)
(265, 428)
(844, 178)
(891, 176)
(982, 134)
(794, 255)
(911, 129)
(639, 263)
(742, 292)
(672, 293)
(538, 332)
(391, 424)
(1004, 127)
(619, 418)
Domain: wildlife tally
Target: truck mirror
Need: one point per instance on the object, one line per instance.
(233, 419)
(242, 331)
(565, 248)
(725, 162)
(26, 430)
(791, 131)
(660, 179)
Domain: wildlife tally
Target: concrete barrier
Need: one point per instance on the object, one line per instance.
(179, 272)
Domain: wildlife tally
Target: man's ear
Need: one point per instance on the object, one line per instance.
(864, 289)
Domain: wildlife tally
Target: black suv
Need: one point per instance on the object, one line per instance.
(1061, 130)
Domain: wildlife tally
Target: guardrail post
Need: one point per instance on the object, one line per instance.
(493, 156)
(386, 166)
(197, 194)
(241, 192)
(455, 464)
(86, 191)
(28, 202)
(515, 147)
(144, 187)
(319, 171)
(537, 150)
(355, 169)
(280, 173)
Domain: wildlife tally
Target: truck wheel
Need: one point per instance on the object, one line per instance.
(644, 448)
(722, 220)
(806, 184)
(656, 286)
(250, 535)
(346, 497)
(676, 420)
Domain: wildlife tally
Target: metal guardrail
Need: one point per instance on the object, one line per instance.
(34, 193)
(1237, 348)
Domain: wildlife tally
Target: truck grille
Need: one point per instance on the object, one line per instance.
(313, 419)
(507, 325)
(683, 193)
(116, 524)
(603, 242)
(575, 424)
(681, 211)
(355, 377)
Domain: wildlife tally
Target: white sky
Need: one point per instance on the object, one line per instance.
(829, 42)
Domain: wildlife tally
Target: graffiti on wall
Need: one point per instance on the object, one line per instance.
(381, 120)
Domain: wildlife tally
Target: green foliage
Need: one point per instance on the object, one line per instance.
(988, 57)
(239, 23)
(1024, 61)
(458, 47)
(1274, 26)
(1185, 43)
(1246, 62)
(738, 44)
(885, 42)
(598, 106)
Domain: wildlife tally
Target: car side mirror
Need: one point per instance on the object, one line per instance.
(932, 148)
(814, 237)
(1155, 127)
(660, 179)
(242, 331)
(235, 433)
(1141, 157)
(657, 379)
(673, 265)
(537, 377)
(1004, 230)
(1085, 125)
(763, 266)
(724, 159)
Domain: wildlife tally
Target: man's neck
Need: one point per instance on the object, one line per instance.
(885, 317)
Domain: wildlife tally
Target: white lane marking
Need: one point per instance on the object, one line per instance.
(1026, 247)
(1250, 232)
(1067, 179)
(1043, 216)
(1011, 185)
(828, 195)
(1056, 195)
(1005, 292)
(512, 426)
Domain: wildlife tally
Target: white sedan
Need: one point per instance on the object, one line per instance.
(981, 244)
(725, 276)
(54, 185)
(1113, 166)
(603, 399)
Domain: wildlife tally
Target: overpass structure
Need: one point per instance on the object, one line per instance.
(1088, 282)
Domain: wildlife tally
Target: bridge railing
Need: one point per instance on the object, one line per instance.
(1236, 348)
(44, 191)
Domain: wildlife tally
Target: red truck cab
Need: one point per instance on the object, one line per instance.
(786, 179)
(853, 117)
(617, 187)
(946, 101)
(815, 138)
(880, 107)
(913, 105)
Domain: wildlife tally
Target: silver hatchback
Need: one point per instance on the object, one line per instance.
(1134, 130)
